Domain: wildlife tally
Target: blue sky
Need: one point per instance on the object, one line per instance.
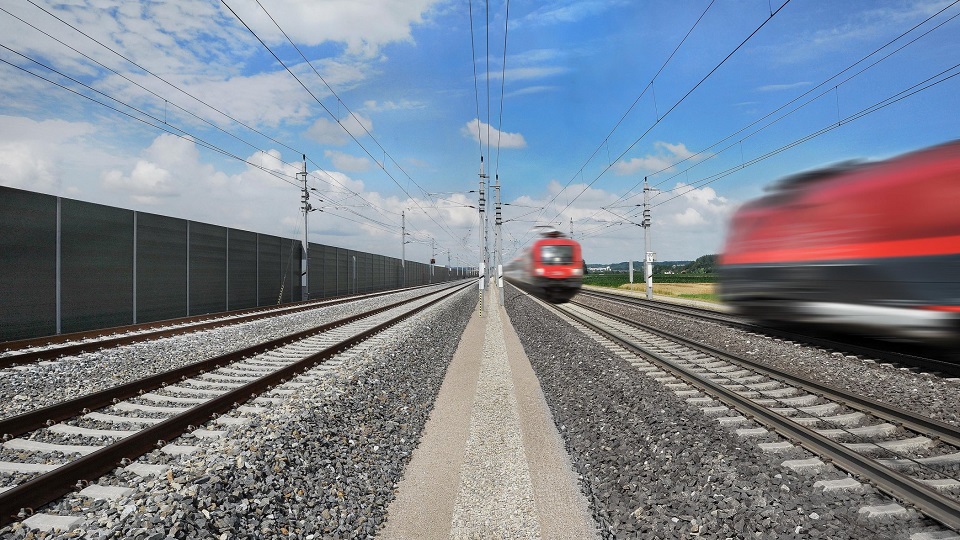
(590, 105)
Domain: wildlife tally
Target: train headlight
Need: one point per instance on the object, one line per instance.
(539, 271)
(577, 271)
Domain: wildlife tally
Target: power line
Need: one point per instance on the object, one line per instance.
(807, 93)
(882, 104)
(675, 105)
(175, 87)
(348, 132)
(339, 100)
(476, 88)
(632, 105)
(161, 125)
(147, 71)
(503, 80)
(912, 90)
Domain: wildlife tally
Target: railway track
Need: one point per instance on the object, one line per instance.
(911, 458)
(28, 351)
(85, 438)
(886, 352)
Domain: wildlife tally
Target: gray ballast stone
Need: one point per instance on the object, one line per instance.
(837, 511)
(653, 466)
(322, 464)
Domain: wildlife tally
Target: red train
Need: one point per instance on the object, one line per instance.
(551, 267)
(872, 247)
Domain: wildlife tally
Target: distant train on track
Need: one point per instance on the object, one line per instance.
(551, 267)
(869, 247)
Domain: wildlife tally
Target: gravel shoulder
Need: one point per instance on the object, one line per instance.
(323, 464)
(921, 393)
(653, 466)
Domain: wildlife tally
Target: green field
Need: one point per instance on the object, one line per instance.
(615, 279)
(692, 286)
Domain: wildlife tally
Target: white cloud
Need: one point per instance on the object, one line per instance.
(530, 90)
(690, 216)
(364, 27)
(391, 105)
(779, 87)
(695, 207)
(31, 151)
(26, 166)
(565, 11)
(18, 128)
(527, 73)
(147, 182)
(347, 162)
(497, 137)
(843, 29)
(170, 167)
(326, 131)
(666, 156)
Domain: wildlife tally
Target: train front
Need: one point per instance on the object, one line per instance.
(557, 269)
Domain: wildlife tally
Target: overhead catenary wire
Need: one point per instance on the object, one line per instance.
(659, 119)
(332, 181)
(626, 113)
(503, 80)
(929, 82)
(476, 87)
(826, 91)
(340, 102)
(347, 131)
(161, 124)
(879, 105)
(674, 106)
(801, 96)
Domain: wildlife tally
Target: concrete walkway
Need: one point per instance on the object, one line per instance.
(491, 463)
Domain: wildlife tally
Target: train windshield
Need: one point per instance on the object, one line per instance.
(556, 254)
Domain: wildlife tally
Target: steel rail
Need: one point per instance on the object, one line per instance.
(946, 432)
(156, 330)
(50, 486)
(921, 362)
(900, 486)
(29, 421)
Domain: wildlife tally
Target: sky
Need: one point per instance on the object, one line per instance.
(204, 110)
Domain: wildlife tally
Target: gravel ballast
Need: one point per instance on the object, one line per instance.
(654, 466)
(29, 387)
(921, 393)
(323, 464)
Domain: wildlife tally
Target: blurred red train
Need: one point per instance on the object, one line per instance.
(872, 247)
(551, 267)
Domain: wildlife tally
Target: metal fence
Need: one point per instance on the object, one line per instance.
(70, 266)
